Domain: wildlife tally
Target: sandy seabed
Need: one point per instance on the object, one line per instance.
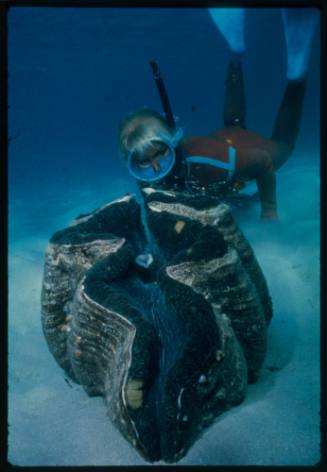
(54, 422)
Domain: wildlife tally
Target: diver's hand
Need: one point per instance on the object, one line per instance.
(270, 215)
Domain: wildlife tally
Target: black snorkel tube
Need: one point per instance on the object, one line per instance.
(179, 170)
(163, 94)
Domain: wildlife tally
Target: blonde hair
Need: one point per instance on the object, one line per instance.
(139, 128)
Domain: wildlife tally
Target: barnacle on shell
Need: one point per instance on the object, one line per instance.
(165, 318)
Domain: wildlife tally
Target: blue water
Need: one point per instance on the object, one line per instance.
(74, 73)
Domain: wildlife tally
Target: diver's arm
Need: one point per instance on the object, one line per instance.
(266, 184)
(257, 164)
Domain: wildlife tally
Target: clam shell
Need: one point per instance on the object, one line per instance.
(170, 345)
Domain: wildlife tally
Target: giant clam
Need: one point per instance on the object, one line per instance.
(160, 307)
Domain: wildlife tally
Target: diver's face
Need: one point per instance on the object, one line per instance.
(153, 157)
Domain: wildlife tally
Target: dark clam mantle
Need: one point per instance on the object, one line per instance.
(166, 319)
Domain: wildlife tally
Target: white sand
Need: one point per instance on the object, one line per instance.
(53, 423)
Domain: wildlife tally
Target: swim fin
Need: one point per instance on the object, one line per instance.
(299, 28)
(230, 22)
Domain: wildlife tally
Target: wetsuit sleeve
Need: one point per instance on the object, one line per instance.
(257, 164)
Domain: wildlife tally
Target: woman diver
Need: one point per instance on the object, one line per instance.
(220, 163)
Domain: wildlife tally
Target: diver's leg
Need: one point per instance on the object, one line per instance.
(234, 100)
(299, 27)
(288, 119)
(230, 23)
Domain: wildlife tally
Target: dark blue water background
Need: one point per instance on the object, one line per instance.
(74, 73)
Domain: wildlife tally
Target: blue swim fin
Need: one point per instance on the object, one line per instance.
(230, 22)
(299, 28)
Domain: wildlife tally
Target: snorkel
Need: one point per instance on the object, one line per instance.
(163, 94)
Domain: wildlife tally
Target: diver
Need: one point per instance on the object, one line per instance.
(220, 163)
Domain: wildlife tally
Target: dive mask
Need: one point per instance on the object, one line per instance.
(160, 164)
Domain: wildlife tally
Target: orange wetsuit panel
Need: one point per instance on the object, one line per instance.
(256, 158)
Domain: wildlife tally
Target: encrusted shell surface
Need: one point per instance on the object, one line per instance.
(170, 344)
